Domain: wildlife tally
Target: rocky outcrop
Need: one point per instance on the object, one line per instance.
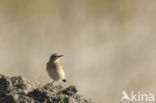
(20, 90)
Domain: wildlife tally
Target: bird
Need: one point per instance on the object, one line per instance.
(55, 68)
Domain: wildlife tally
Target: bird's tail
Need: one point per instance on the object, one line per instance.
(64, 80)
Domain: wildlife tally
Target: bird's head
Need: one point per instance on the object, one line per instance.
(55, 56)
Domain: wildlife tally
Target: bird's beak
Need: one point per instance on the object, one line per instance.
(60, 55)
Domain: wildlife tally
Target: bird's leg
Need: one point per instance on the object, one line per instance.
(60, 86)
(52, 83)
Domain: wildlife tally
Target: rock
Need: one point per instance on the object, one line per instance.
(71, 100)
(20, 90)
(71, 90)
(5, 86)
(8, 99)
(21, 85)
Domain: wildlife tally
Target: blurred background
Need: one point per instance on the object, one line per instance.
(109, 45)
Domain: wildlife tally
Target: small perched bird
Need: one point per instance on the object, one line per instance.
(55, 68)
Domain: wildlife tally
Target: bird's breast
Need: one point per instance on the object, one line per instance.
(56, 71)
(61, 73)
